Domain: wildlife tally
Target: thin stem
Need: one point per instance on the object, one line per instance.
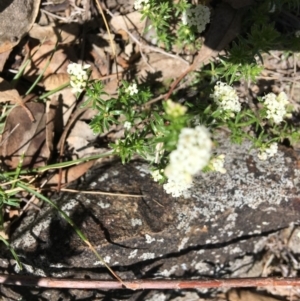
(148, 284)
(45, 95)
(61, 165)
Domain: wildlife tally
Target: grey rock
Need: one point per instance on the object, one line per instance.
(223, 218)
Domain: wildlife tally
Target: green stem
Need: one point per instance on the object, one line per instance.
(45, 95)
(61, 165)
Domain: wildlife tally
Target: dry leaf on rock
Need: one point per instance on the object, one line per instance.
(16, 18)
(8, 94)
(23, 136)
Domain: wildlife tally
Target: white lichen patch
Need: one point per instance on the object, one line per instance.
(182, 243)
(36, 230)
(236, 250)
(136, 222)
(57, 265)
(103, 205)
(25, 241)
(232, 217)
(28, 240)
(202, 267)
(149, 239)
(167, 273)
(107, 259)
(133, 254)
(143, 169)
(147, 256)
(30, 269)
(103, 178)
(69, 206)
(184, 266)
(248, 182)
(185, 217)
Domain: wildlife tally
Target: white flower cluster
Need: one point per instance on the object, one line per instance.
(276, 106)
(132, 89)
(78, 76)
(226, 98)
(127, 125)
(217, 164)
(141, 4)
(174, 109)
(198, 16)
(192, 154)
(266, 153)
(157, 174)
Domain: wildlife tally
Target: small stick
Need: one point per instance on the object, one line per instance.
(147, 284)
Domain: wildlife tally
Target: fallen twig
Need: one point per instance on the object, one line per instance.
(147, 284)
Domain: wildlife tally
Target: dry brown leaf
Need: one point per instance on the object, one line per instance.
(130, 22)
(16, 18)
(53, 81)
(40, 57)
(71, 174)
(63, 33)
(21, 136)
(122, 62)
(3, 58)
(8, 94)
(66, 102)
(79, 138)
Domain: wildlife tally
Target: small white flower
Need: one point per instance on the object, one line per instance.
(276, 106)
(184, 18)
(217, 164)
(78, 76)
(176, 187)
(262, 156)
(174, 109)
(297, 34)
(198, 16)
(272, 149)
(268, 152)
(192, 154)
(157, 175)
(272, 7)
(132, 89)
(127, 125)
(140, 4)
(226, 98)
